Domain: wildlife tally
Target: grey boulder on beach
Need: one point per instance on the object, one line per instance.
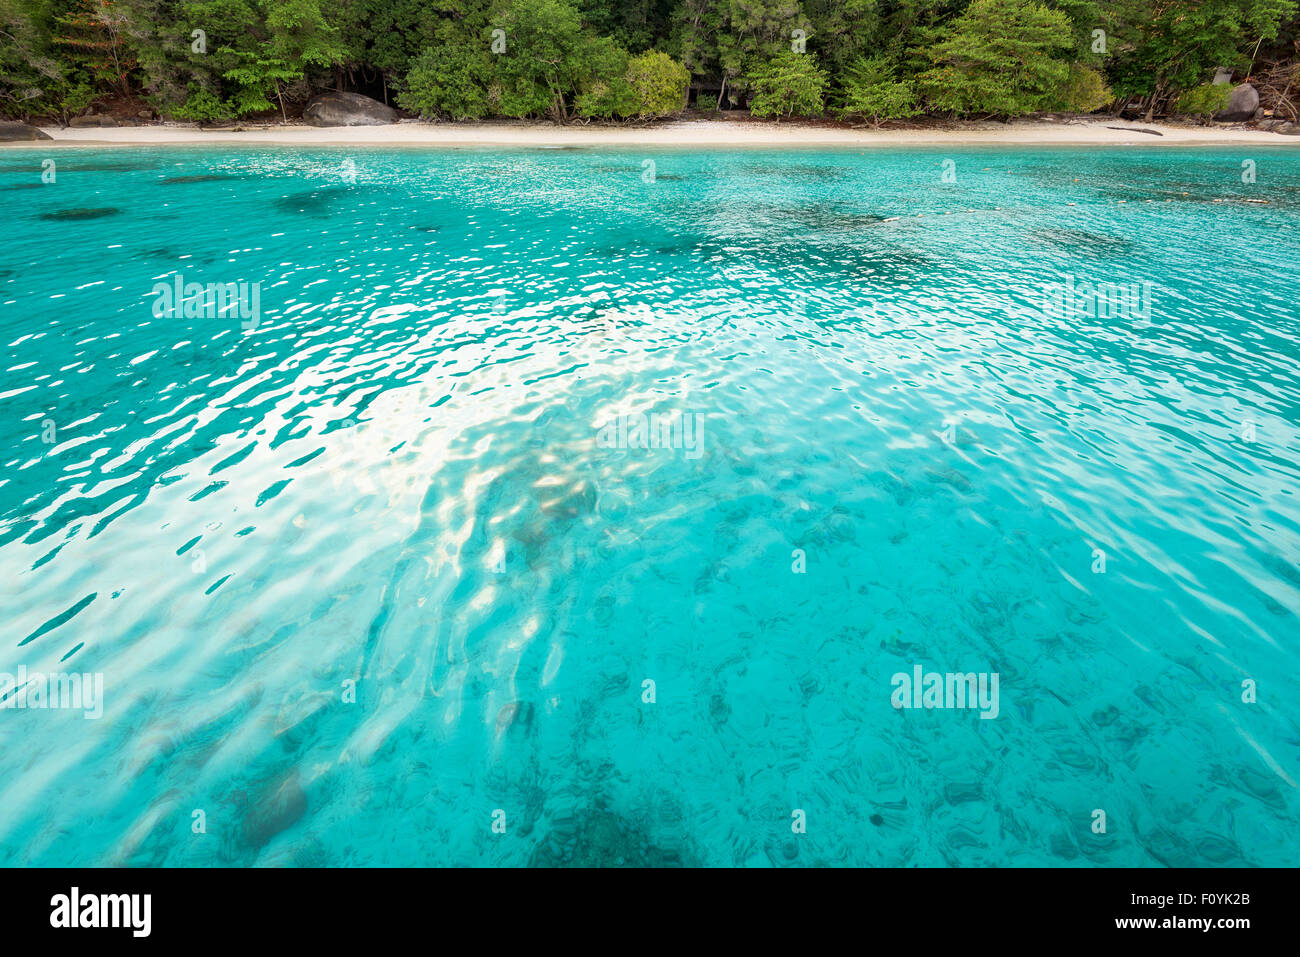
(347, 109)
(15, 132)
(1242, 104)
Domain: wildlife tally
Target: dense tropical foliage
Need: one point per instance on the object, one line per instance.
(866, 60)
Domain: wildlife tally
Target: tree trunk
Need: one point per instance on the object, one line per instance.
(1155, 97)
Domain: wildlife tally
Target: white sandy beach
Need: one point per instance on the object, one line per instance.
(689, 134)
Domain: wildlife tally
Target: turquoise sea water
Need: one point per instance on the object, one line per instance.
(393, 486)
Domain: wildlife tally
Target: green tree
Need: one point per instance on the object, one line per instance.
(186, 83)
(729, 40)
(298, 38)
(659, 82)
(544, 62)
(606, 92)
(449, 80)
(617, 59)
(790, 84)
(635, 25)
(1084, 91)
(386, 37)
(95, 34)
(872, 92)
(1179, 43)
(999, 58)
(843, 32)
(1203, 101)
(34, 76)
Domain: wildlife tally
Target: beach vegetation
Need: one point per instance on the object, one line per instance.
(1203, 101)
(873, 92)
(790, 84)
(622, 60)
(999, 58)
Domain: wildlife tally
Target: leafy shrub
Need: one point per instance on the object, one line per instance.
(606, 92)
(872, 92)
(450, 80)
(1085, 91)
(660, 84)
(75, 99)
(1204, 100)
(202, 106)
(790, 84)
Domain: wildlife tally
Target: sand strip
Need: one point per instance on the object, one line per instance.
(682, 134)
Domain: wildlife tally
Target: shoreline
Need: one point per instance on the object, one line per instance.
(677, 134)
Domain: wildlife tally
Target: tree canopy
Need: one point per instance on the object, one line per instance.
(630, 60)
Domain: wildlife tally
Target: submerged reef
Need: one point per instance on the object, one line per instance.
(599, 837)
(275, 806)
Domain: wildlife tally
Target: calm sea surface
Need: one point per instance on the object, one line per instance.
(368, 564)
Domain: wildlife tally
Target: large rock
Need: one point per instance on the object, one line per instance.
(348, 109)
(1242, 105)
(276, 806)
(91, 122)
(15, 132)
(1285, 127)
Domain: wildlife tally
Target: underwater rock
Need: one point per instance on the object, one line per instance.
(616, 686)
(840, 525)
(515, 713)
(1255, 783)
(600, 838)
(901, 490)
(315, 203)
(1218, 849)
(570, 502)
(76, 214)
(1103, 717)
(205, 178)
(719, 710)
(279, 805)
(963, 792)
(1282, 567)
(950, 477)
(1082, 240)
(961, 837)
(1062, 846)
(809, 686)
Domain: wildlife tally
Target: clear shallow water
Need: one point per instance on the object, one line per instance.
(231, 525)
